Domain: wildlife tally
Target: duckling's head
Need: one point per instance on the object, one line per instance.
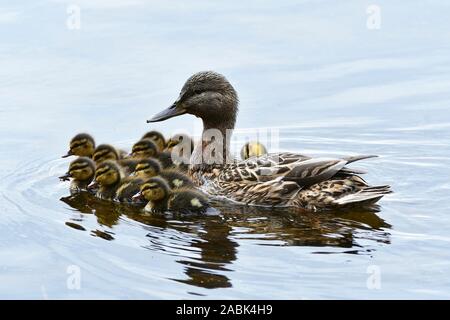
(155, 189)
(81, 145)
(180, 139)
(144, 148)
(147, 168)
(108, 173)
(207, 95)
(252, 149)
(82, 169)
(105, 152)
(157, 137)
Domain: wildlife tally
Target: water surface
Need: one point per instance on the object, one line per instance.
(309, 70)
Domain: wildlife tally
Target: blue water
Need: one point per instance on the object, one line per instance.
(310, 70)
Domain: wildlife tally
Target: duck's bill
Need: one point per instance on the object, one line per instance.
(170, 112)
(92, 186)
(69, 153)
(65, 177)
(138, 197)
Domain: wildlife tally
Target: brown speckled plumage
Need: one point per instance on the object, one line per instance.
(284, 179)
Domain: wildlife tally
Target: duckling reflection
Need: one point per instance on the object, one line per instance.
(82, 145)
(217, 251)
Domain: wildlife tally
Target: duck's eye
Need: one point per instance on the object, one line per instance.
(197, 91)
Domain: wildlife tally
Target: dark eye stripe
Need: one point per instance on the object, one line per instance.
(102, 171)
(79, 166)
(99, 155)
(75, 145)
(142, 168)
(140, 148)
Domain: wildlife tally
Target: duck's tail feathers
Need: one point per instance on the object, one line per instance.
(368, 195)
(357, 158)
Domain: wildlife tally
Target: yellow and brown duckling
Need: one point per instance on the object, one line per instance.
(108, 177)
(253, 149)
(148, 168)
(181, 140)
(162, 198)
(157, 137)
(180, 147)
(147, 148)
(82, 172)
(105, 152)
(113, 184)
(128, 188)
(82, 145)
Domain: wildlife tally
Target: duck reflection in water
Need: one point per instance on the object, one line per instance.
(207, 245)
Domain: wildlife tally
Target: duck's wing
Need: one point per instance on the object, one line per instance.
(261, 169)
(313, 171)
(303, 170)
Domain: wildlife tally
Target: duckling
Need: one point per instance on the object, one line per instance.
(157, 137)
(146, 148)
(81, 145)
(129, 187)
(180, 146)
(148, 168)
(105, 152)
(253, 149)
(182, 140)
(82, 170)
(108, 176)
(162, 198)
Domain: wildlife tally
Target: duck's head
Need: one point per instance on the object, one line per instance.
(108, 173)
(82, 169)
(144, 148)
(147, 168)
(252, 149)
(155, 189)
(82, 145)
(157, 137)
(207, 95)
(105, 152)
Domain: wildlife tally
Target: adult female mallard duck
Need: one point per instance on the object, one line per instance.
(282, 179)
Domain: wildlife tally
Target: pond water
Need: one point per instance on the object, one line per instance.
(311, 71)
